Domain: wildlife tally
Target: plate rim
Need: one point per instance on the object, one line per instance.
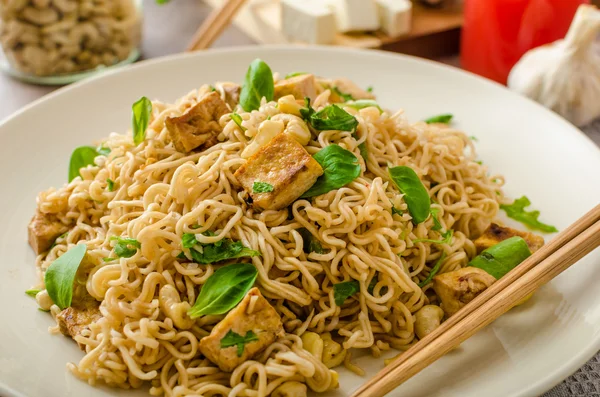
(536, 387)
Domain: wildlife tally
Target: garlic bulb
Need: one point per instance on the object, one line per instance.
(565, 76)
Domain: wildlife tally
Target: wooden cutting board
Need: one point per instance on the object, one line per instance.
(434, 33)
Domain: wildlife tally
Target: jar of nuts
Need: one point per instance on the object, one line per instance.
(60, 41)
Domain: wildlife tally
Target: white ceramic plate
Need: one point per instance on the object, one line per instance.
(524, 353)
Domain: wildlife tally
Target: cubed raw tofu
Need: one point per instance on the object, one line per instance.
(73, 320)
(457, 288)
(43, 229)
(395, 16)
(285, 165)
(199, 125)
(231, 93)
(345, 87)
(496, 233)
(300, 87)
(263, 321)
(308, 21)
(355, 15)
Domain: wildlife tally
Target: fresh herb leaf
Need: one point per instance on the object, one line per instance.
(104, 151)
(433, 271)
(125, 247)
(363, 103)
(517, 212)
(224, 289)
(437, 226)
(474, 138)
(188, 240)
(362, 147)
(310, 243)
(342, 291)
(81, 158)
(415, 194)
(340, 167)
(294, 74)
(32, 292)
(211, 87)
(307, 111)
(65, 234)
(262, 187)
(345, 97)
(140, 118)
(333, 117)
(219, 251)
(108, 259)
(370, 89)
(60, 275)
(257, 84)
(447, 237)
(110, 185)
(238, 120)
(161, 2)
(501, 258)
(396, 211)
(372, 284)
(442, 118)
(233, 339)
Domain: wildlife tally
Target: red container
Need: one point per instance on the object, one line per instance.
(496, 33)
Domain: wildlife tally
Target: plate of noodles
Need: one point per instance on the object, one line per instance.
(281, 221)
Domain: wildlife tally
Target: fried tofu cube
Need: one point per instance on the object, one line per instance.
(43, 230)
(457, 288)
(231, 93)
(285, 165)
(343, 86)
(254, 313)
(73, 320)
(496, 233)
(300, 86)
(199, 125)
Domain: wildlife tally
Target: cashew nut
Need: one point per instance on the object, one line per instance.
(288, 104)
(427, 319)
(41, 3)
(85, 31)
(267, 130)
(333, 353)
(171, 304)
(65, 5)
(313, 343)
(39, 17)
(44, 300)
(295, 127)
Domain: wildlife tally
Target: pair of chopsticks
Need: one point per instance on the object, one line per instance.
(214, 25)
(568, 247)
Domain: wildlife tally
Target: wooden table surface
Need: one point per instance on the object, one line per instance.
(167, 30)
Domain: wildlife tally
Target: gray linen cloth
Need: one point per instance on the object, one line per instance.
(586, 381)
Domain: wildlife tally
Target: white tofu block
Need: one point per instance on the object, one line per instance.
(355, 15)
(309, 21)
(395, 16)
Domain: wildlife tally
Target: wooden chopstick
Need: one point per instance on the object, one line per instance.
(213, 26)
(568, 247)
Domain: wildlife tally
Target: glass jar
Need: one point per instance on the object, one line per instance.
(61, 41)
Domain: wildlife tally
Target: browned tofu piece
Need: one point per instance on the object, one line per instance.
(457, 288)
(300, 87)
(347, 87)
(496, 233)
(254, 314)
(199, 125)
(73, 320)
(43, 230)
(284, 164)
(231, 92)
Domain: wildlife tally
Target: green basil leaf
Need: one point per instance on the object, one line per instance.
(224, 289)
(340, 167)
(415, 194)
(81, 158)
(238, 120)
(141, 109)
(65, 234)
(434, 270)
(233, 339)
(294, 74)
(60, 275)
(342, 291)
(262, 187)
(517, 212)
(188, 240)
(345, 97)
(104, 151)
(125, 247)
(333, 117)
(310, 243)
(212, 87)
(257, 84)
(396, 211)
(369, 89)
(307, 111)
(32, 292)
(363, 103)
(221, 250)
(447, 238)
(501, 258)
(110, 185)
(437, 226)
(442, 118)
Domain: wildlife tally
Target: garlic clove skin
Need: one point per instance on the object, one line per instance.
(565, 76)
